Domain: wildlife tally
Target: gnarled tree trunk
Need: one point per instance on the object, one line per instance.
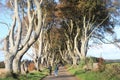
(29, 41)
(8, 56)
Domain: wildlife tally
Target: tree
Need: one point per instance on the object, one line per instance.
(113, 7)
(15, 47)
(48, 9)
(80, 18)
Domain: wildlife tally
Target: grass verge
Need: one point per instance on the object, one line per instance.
(110, 73)
(29, 76)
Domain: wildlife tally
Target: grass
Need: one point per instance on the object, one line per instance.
(108, 74)
(29, 76)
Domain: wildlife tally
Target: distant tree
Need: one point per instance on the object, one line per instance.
(47, 9)
(80, 19)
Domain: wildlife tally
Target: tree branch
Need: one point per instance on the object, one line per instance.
(30, 28)
(19, 25)
(97, 27)
(11, 38)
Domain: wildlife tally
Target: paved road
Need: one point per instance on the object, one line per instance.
(62, 75)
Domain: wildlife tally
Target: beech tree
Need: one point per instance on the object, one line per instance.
(47, 9)
(79, 20)
(15, 45)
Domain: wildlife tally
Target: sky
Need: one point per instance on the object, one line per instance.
(107, 51)
(5, 17)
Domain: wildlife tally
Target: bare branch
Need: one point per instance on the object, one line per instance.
(97, 26)
(11, 38)
(29, 12)
(19, 25)
(108, 41)
(38, 16)
(113, 43)
(37, 31)
(5, 24)
(30, 28)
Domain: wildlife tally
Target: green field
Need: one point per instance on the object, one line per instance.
(111, 72)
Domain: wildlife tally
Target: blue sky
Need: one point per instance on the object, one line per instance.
(5, 17)
(106, 51)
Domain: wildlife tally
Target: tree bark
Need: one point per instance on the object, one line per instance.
(37, 64)
(26, 46)
(84, 44)
(8, 63)
(8, 56)
(74, 60)
(16, 65)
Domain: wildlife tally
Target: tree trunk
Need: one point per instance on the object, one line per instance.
(74, 61)
(8, 56)
(84, 44)
(76, 49)
(38, 60)
(37, 64)
(63, 55)
(14, 40)
(24, 67)
(83, 50)
(8, 63)
(16, 65)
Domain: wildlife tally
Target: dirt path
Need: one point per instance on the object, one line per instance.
(62, 75)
